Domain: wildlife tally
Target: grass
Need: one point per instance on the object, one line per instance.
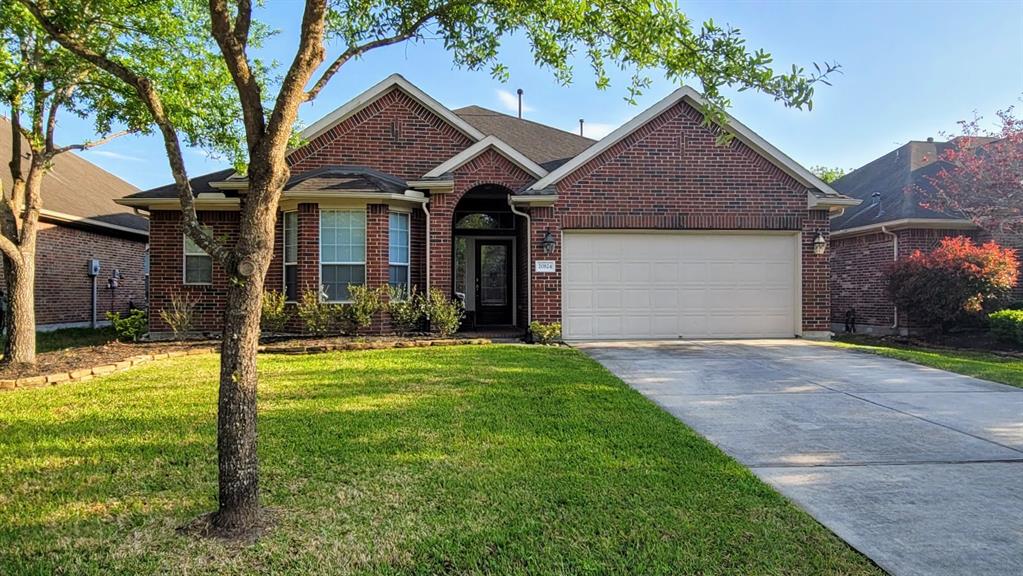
(65, 338)
(468, 460)
(1006, 370)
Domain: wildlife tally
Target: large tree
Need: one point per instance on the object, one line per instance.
(981, 175)
(636, 36)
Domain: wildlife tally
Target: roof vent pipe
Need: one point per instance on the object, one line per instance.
(519, 92)
(875, 198)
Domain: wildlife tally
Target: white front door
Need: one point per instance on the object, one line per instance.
(679, 285)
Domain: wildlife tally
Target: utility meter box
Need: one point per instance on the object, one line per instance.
(94, 267)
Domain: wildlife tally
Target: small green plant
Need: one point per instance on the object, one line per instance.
(275, 315)
(1007, 325)
(545, 333)
(406, 309)
(365, 303)
(131, 327)
(444, 314)
(318, 316)
(180, 317)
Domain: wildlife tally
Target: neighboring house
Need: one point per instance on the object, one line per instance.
(655, 231)
(81, 222)
(889, 224)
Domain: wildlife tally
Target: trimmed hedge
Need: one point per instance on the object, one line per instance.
(1007, 325)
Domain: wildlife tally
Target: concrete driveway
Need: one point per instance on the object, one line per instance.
(919, 469)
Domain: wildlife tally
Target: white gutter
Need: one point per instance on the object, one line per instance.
(895, 256)
(529, 260)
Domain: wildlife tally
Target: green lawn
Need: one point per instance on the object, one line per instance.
(496, 459)
(984, 365)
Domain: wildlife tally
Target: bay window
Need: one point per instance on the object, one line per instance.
(291, 256)
(398, 250)
(342, 252)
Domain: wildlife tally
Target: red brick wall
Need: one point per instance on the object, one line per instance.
(63, 286)
(395, 134)
(672, 175)
(858, 268)
(167, 269)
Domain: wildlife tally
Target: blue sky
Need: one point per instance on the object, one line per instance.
(909, 70)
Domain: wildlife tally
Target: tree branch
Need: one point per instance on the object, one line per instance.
(91, 144)
(355, 51)
(151, 98)
(233, 41)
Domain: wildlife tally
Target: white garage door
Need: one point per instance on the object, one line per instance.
(662, 285)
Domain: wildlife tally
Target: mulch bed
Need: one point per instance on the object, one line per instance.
(71, 359)
(86, 362)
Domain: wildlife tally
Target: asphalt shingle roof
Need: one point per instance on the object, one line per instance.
(75, 186)
(900, 177)
(547, 146)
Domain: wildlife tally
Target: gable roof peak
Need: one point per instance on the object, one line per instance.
(367, 97)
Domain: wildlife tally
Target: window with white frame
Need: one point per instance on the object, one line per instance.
(198, 266)
(342, 252)
(398, 250)
(291, 256)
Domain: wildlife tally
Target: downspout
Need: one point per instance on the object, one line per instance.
(427, 237)
(895, 256)
(529, 261)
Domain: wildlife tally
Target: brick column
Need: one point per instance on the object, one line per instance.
(546, 287)
(816, 276)
(308, 248)
(442, 208)
(377, 233)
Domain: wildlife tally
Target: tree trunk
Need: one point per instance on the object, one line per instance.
(239, 510)
(21, 315)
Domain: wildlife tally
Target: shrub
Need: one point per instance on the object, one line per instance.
(1007, 325)
(274, 316)
(545, 333)
(443, 313)
(317, 316)
(406, 309)
(956, 281)
(366, 302)
(131, 327)
(181, 314)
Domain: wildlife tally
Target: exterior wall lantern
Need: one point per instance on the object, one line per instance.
(548, 242)
(820, 244)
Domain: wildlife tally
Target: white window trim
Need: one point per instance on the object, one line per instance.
(407, 265)
(365, 239)
(184, 260)
(284, 254)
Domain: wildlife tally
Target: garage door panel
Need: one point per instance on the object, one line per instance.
(670, 285)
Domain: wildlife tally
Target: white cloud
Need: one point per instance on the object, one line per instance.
(596, 130)
(510, 101)
(115, 155)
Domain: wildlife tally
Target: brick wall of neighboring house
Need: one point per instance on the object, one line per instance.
(858, 270)
(672, 175)
(395, 134)
(63, 286)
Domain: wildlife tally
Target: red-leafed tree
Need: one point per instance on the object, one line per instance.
(982, 175)
(957, 279)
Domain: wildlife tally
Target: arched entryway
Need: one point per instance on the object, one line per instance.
(486, 266)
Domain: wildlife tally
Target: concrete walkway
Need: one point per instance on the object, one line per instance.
(919, 469)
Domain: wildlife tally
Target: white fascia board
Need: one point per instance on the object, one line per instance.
(71, 218)
(926, 223)
(835, 205)
(741, 131)
(356, 104)
(502, 147)
(172, 203)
